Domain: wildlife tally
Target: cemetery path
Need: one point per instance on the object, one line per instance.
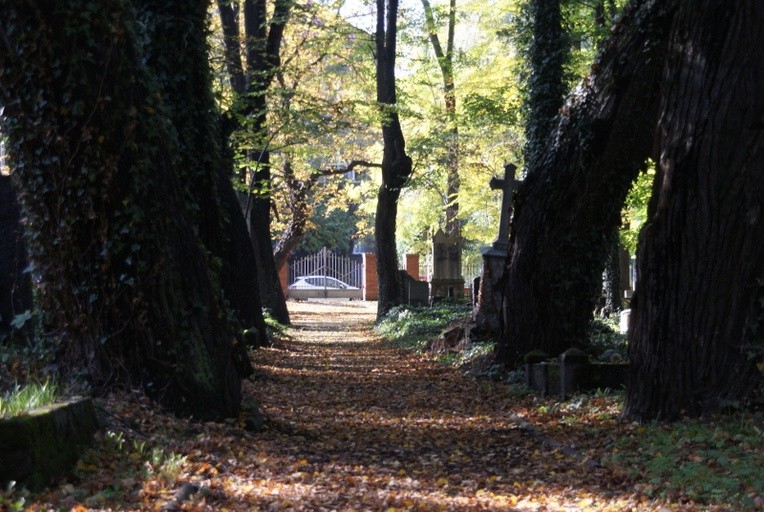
(360, 425)
(352, 424)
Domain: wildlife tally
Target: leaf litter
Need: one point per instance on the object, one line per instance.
(353, 423)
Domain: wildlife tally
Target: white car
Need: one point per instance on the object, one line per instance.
(319, 283)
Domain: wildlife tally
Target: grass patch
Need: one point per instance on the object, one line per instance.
(23, 398)
(717, 462)
(411, 327)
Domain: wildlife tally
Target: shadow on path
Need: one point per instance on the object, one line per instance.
(358, 424)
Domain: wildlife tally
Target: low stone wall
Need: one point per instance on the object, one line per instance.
(565, 378)
(38, 447)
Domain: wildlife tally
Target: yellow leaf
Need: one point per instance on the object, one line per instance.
(84, 466)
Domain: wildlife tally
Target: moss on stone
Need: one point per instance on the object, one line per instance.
(38, 447)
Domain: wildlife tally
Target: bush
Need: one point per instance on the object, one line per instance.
(411, 327)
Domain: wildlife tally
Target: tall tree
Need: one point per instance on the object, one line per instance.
(694, 343)
(126, 284)
(396, 164)
(204, 166)
(548, 53)
(571, 200)
(446, 64)
(317, 120)
(261, 45)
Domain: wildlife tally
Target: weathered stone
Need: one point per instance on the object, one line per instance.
(415, 292)
(489, 296)
(574, 374)
(38, 447)
(447, 280)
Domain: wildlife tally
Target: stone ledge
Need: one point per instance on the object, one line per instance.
(38, 447)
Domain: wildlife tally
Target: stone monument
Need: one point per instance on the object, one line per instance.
(447, 280)
(488, 309)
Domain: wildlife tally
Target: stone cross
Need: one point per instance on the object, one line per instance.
(507, 186)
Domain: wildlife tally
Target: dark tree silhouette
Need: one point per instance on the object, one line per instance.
(127, 286)
(694, 342)
(261, 45)
(570, 203)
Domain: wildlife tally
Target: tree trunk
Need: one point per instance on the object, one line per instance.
(701, 252)
(297, 205)
(15, 284)
(262, 45)
(203, 164)
(396, 164)
(126, 286)
(549, 52)
(446, 64)
(571, 201)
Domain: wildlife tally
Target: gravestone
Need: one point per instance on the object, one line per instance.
(447, 280)
(488, 309)
(15, 285)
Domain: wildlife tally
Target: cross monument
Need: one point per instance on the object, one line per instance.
(507, 187)
(488, 303)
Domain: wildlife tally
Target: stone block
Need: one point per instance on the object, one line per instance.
(39, 447)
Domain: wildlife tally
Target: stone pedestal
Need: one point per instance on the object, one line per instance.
(488, 309)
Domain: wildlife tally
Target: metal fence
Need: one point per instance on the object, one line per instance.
(328, 264)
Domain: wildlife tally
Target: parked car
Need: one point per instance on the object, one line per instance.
(319, 283)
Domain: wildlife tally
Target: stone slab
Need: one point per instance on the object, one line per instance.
(38, 447)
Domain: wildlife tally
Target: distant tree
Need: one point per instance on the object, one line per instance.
(127, 288)
(445, 58)
(396, 164)
(301, 208)
(489, 127)
(261, 46)
(698, 311)
(321, 129)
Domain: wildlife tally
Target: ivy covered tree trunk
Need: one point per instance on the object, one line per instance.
(571, 200)
(126, 284)
(697, 313)
(396, 164)
(204, 168)
(548, 53)
(15, 283)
